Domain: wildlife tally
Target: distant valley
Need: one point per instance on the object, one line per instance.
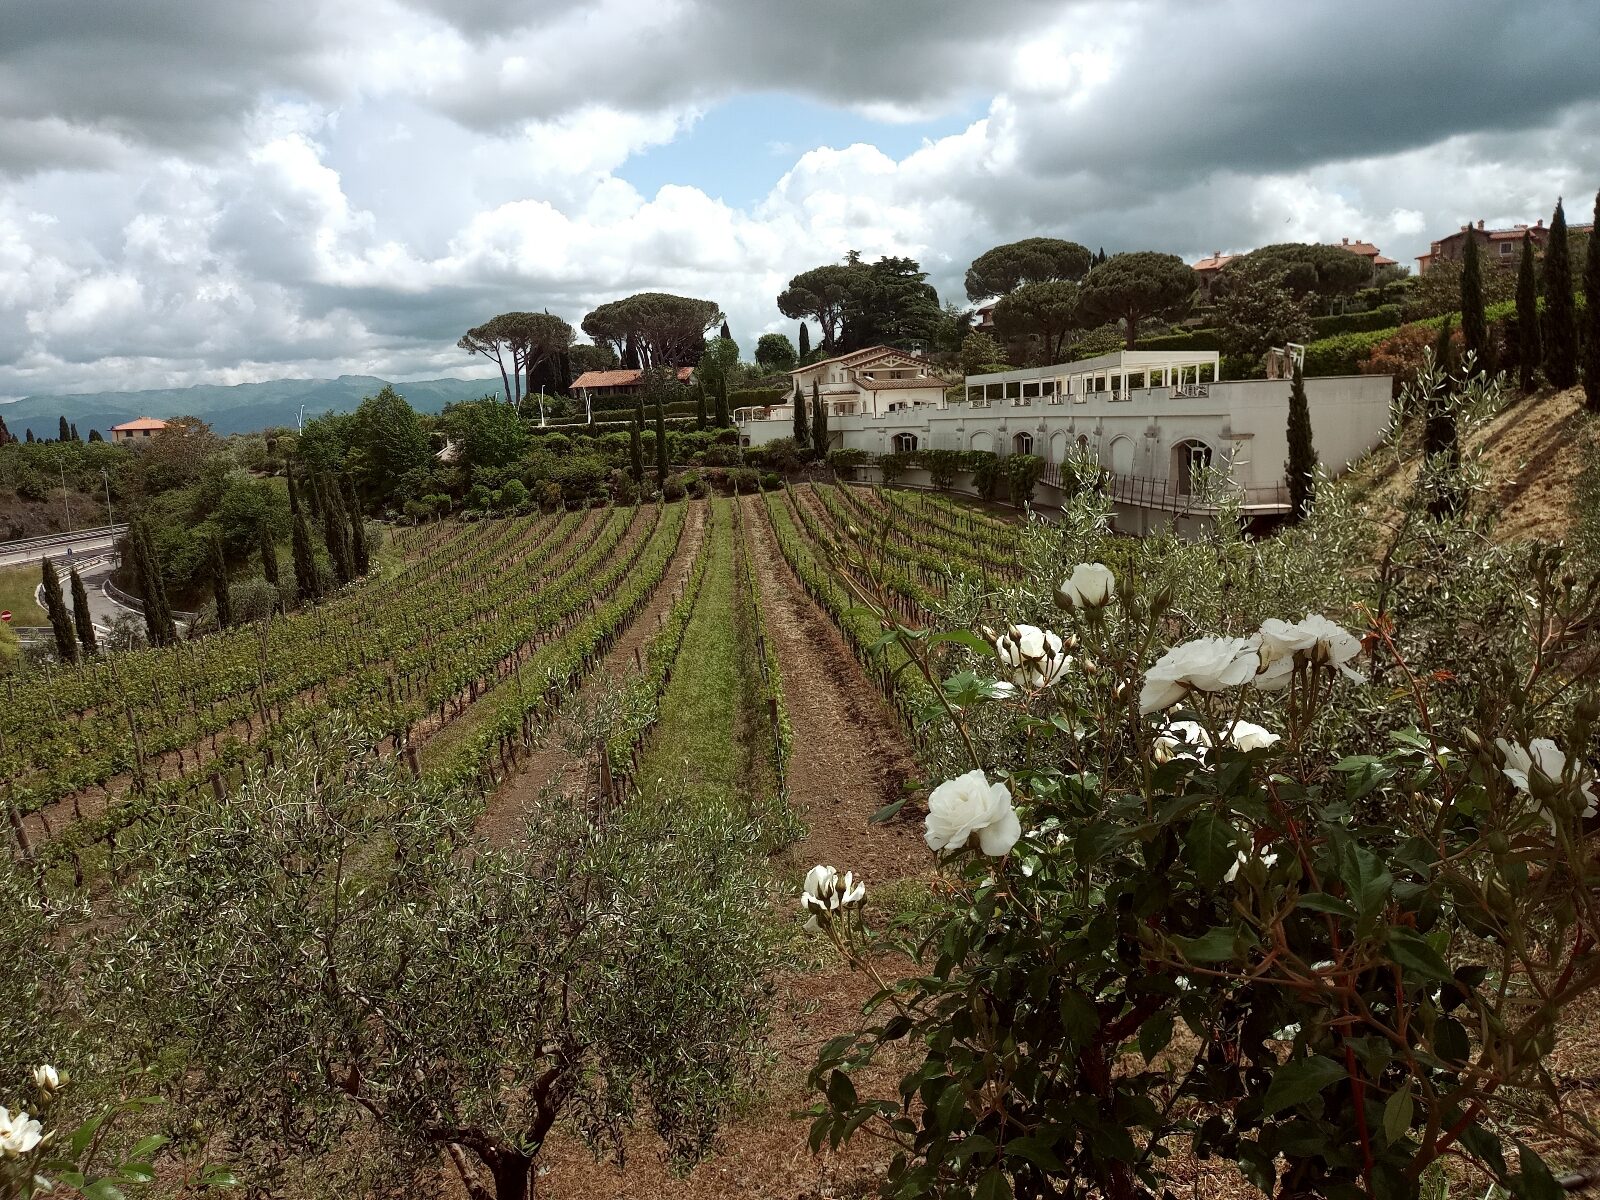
(239, 408)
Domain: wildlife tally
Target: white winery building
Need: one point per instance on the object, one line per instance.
(1153, 419)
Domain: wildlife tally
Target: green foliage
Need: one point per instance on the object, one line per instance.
(802, 427)
(1307, 269)
(1307, 958)
(387, 441)
(489, 433)
(82, 620)
(1047, 311)
(1003, 269)
(1134, 287)
(219, 584)
(1257, 310)
(1474, 326)
(819, 423)
(1383, 316)
(982, 355)
(664, 330)
(1022, 473)
(1300, 470)
(1530, 345)
(775, 352)
(1591, 319)
(60, 619)
(547, 948)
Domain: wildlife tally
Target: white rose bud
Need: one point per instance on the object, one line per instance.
(1090, 585)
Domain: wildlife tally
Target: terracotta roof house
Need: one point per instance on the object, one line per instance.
(1209, 267)
(869, 382)
(1494, 245)
(1370, 252)
(592, 385)
(138, 430)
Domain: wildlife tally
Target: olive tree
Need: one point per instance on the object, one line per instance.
(338, 971)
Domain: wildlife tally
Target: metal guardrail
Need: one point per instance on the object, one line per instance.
(29, 545)
(137, 605)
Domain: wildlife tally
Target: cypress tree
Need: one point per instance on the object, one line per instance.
(1439, 441)
(74, 430)
(1528, 341)
(1591, 317)
(1560, 322)
(29, 432)
(359, 557)
(335, 532)
(805, 342)
(802, 428)
(158, 623)
(60, 619)
(819, 423)
(5, 434)
(66, 432)
(1474, 327)
(94, 436)
(307, 586)
(269, 558)
(724, 417)
(635, 450)
(661, 446)
(219, 583)
(1444, 349)
(81, 617)
(1302, 465)
(294, 492)
(700, 405)
(725, 333)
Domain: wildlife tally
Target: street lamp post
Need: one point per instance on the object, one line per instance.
(66, 502)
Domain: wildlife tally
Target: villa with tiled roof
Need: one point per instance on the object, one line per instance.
(869, 382)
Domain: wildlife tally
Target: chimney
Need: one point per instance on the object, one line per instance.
(1539, 224)
(1344, 241)
(1480, 223)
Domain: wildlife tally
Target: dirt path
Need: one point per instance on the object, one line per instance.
(551, 763)
(850, 757)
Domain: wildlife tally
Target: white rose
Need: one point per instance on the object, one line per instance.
(1315, 640)
(1182, 739)
(19, 1133)
(825, 894)
(1089, 586)
(1244, 859)
(967, 805)
(1037, 657)
(1540, 769)
(1246, 735)
(1208, 664)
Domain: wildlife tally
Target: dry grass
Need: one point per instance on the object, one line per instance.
(1529, 451)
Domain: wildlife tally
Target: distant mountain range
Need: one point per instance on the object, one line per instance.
(240, 408)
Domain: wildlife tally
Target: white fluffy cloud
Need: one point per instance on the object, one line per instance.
(191, 193)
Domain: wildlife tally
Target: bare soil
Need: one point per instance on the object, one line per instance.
(850, 759)
(551, 764)
(1530, 450)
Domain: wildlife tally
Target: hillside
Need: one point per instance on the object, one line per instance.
(239, 408)
(1530, 453)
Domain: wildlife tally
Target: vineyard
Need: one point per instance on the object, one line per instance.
(487, 864)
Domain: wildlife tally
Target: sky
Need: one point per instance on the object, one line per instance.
(194, 192)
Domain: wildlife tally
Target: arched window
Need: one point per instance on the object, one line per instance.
(1190, 460)
(1022, 443)
(904, 443)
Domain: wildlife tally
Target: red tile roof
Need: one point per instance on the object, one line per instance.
(854, 355)
(884, 385)
(1216, 262)
(622, 378)
(140, 423)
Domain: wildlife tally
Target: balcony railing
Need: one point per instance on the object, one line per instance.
(1162, 494)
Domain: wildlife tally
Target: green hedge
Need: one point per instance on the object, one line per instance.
(1193, 339)
(1384, 317)
(751, 397)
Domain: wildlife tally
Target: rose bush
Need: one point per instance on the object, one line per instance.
(1317, 897)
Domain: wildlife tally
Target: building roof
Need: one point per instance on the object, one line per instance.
(1216, 262)
(140, 423)
(860, 356)
(885, 385)
(622, 378)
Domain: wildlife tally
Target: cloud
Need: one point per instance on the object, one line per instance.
(195, 193)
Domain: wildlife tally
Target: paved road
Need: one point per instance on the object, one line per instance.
(81, 546)
(102, 608)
